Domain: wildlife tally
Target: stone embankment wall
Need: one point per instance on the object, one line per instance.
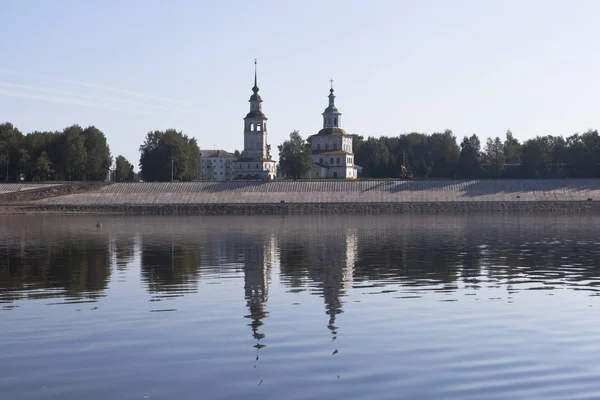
(305, 208)
(318, 192)
(19, 187)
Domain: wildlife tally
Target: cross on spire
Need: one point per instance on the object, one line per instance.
(331, 81)
(255, 85)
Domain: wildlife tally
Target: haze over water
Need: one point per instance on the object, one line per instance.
(300, 307)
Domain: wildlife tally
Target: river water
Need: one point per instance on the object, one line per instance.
(300, 307)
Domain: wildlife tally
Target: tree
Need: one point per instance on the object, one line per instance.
(98, 159)
(494, 153)
(295, 156)
(512, 149)
(72, 160)
(167, 154)
(469, 163)
(269, 151)
(10, 144)
(123, 170)
(42, 167)
(237, 154)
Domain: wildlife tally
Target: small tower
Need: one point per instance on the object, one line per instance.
(331, 115)
(255, 127)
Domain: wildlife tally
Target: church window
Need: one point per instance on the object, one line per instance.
(320, 160)
(248, 165)
(256, 165)
(338, 160)
(326, 146)
(335, 121)
(258, 127)
(252, 127)
(331, 160)
(318, 146)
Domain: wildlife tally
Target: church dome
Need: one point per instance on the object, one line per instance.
(332, 132)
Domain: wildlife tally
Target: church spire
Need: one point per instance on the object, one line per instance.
(331, 115)
(255, 96)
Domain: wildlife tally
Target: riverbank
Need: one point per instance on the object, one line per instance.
(309, 197)
(304, 208)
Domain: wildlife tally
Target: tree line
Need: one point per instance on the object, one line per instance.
(74, 154)
(439, 155)
(80, 154)
(83, 154)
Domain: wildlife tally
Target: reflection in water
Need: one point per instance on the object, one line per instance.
(258, 260)
(170, 264)
(39, 266)
(467, 293)
(440, 253)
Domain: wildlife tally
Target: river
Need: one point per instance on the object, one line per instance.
(447, 306)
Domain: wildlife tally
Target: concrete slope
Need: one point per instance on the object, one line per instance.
(317, 191)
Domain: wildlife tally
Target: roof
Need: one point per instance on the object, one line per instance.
(216, 153)
(332, 132)
(256, 114)
(332, 110)
(335, 152)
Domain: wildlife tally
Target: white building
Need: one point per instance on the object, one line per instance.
(217, 165)
(255, 163)
(332, 154)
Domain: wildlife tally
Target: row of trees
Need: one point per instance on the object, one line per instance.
(83, 154)
(78, 153)
(439, 155)
(73, 154)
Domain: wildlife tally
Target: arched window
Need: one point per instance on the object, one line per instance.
(252, 127)
(258, 127)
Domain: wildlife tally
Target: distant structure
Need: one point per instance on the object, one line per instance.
(332, 154)
(255, 162)
(217, 165)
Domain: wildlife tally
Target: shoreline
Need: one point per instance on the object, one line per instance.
(303, 208)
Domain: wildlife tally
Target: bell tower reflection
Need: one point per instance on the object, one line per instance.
(334, 270)
(258, 260)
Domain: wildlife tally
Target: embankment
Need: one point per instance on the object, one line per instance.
(318, 196)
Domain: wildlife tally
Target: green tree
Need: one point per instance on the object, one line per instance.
(469, 163)
(98, 159)
(72, 160)
(512, 149)
(42, 167)
(295, 156)
(10, 144)
(166, 152)
(123, 170)
(494, 153)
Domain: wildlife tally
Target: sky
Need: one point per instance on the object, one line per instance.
(133, 66)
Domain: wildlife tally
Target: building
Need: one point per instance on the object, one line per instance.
(216, 165)
(255, 162)
(332, 154)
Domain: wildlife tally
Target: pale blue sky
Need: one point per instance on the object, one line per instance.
(131, 66)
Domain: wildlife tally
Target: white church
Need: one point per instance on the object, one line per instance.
(332, 155)
(254, 162)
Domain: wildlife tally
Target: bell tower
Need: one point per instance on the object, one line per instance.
(255, 127)
(331, 115)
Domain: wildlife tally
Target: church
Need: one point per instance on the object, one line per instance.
(255, 162)
(332, 155)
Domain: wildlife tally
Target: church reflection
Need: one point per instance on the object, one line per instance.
(328, 260)
(257, 262)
